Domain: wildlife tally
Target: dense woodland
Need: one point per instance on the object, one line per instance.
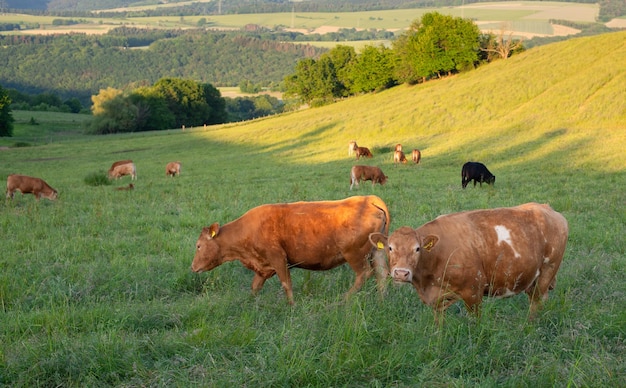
(79, 65)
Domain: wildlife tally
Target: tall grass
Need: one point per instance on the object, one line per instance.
(96, 288)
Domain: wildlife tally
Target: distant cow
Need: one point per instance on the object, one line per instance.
(416, 156)
(366, 173)
(398, 147)
(126, 188)
(351, 147)
(477, 172)
(122, 168)
(172, 169)
(362, 152)
(465, 256)
(29, 185)
(399, 157)
(271, 239)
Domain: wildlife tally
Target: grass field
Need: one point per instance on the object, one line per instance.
(526, 18)
(96, 287)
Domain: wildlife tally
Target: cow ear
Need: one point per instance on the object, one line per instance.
(378, 240)
(213, 230)
(429, 242)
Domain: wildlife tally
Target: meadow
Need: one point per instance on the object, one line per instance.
(96, 287)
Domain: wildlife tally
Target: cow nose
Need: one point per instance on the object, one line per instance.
(402, 275)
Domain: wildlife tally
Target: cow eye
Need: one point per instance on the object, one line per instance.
(417, 249)
(390, 249)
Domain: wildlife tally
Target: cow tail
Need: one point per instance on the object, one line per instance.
(379, 257)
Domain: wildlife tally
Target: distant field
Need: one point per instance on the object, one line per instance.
(524, 18)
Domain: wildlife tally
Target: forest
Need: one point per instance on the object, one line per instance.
(78, 65)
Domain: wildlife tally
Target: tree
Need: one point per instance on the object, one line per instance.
(436, 45)
(6, 118)
(500, 46)
(373, 69)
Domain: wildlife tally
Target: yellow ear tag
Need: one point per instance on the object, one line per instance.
(213, 233)
(380, 245)
(429, 246)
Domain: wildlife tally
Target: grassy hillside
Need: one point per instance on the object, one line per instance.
(96, 288)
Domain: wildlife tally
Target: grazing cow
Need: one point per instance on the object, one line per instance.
(465, 256)
(399, 157)
(172, 169)
(126, 188)
(367, 173)
(416, 156)
(362, 152)
(29, 185)
(271, 239)
(122, 168)
(477, 172)
(351, 147)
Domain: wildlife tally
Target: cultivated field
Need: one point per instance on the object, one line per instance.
(96, 288)
(526, 19)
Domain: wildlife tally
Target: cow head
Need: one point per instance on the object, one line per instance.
(404, 248)
(52, 195)
(207, 254)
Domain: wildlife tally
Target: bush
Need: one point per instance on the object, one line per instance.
(99, 178)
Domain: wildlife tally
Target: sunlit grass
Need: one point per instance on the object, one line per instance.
(96, 287)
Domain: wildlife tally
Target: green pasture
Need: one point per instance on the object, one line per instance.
(96, 287)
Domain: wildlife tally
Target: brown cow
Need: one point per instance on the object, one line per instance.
(399, 157)
(362, 151)
(398, 147)
(172, 169)
(351, 147)
(416, 156)
(465, 256)
(122, 168)
(271, 239)
(29, 185)
(367, 173)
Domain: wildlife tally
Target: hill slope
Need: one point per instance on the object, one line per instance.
(565, 97)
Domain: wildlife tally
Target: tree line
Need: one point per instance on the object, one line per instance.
(78, 65)
(435, 45)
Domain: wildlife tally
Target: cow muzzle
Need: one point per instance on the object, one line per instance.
(401, 275)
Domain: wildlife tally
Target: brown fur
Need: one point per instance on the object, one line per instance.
(122, 168)
(416, 156)
(366, 173)
(270, 239)
(465, 256)
(29, 185)
(362, 152)
(172, 169)
(399, 157)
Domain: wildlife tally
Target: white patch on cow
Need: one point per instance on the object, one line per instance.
(546, 260)
(504, 235)
(506, 294)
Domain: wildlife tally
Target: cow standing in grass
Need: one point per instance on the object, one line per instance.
(272, 239)
(465, 256)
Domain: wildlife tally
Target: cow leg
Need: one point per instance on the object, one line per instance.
(257, 283)
(361, 268)
(279, 264)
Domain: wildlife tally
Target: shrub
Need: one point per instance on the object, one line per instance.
(99, 178)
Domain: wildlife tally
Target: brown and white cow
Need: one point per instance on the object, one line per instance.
(465, 256)
(122, 168)
(270, 239)
(399, 157)
(366, 173)
(172, 169)
(416, 156)
(29, 185)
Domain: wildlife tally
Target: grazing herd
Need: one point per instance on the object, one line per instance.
(461, 256)
(40, 189)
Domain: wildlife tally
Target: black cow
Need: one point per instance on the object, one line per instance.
(477, 172)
